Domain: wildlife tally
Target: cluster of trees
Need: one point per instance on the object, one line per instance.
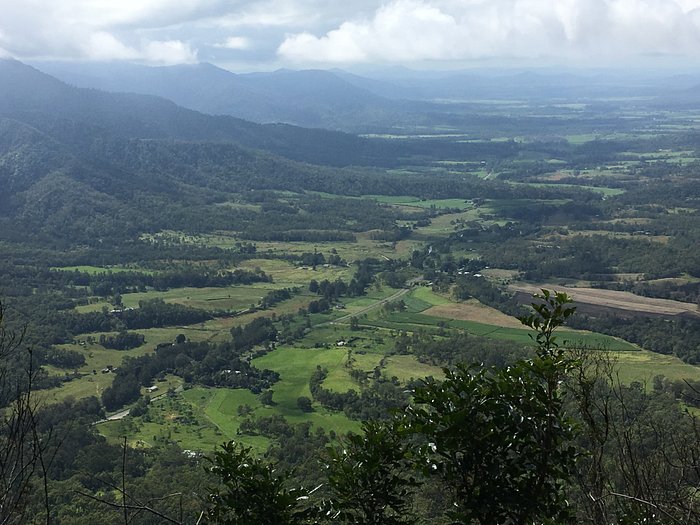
(678, 336)
(374, 401)
(331, 291)
(592, 257)
(685, 391)
(123, 340)
(201, 363)
(317, 258)
(259, 331)
(106, 284)
(274, 297)
(60, 357)
(459, 348)
(688, 292)
(151, 313)
(468, 286)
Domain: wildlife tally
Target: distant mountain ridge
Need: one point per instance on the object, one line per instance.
(384, 101)
(44, 102)
(312, 98)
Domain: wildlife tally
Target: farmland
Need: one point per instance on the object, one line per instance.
(617, 300)
(349, 277)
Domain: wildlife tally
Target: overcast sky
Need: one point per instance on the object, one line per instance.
(266, 34)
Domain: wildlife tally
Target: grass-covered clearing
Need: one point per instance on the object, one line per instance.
(404, 200)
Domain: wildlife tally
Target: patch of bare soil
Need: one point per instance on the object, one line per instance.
(625, 301)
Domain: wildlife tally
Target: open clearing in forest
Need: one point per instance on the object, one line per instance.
(614, 299)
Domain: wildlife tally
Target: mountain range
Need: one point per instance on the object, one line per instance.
(381, 101)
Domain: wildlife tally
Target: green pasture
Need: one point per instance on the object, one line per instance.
(351, 251)
(417, 202)
(642, 366)
(608, 192)
(94, 270)
(426, 295)
(236, 297)
(409, 321)
(189, 419)
(295, 366)
(362, 248)
(407, 367)
(286, 274)
(94, 307)
(447, 224)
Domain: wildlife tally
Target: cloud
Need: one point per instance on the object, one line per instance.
(418, 30)
(235, 42)
(313, 32)
(143, 30)
(104, 46)
(169, 52)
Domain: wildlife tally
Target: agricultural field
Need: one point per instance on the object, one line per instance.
(501, 202)
(197, 417)
(616, 300)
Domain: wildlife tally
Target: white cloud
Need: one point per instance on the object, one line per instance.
(312, 32)
(420, 30)
(235, 42)
(141, 13)
(104, 46)
(274, 13)
(102, 29)
(169, 52)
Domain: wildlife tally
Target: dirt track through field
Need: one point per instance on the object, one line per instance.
(614, 299)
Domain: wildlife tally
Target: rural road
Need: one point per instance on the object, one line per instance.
(392, 297)
(123, 413)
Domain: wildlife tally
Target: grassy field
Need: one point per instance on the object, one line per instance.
(103, 269)
(228, 298)
(644, 365)
(285, 274)
(192, 419)
(409, 321)
(461, 204)
(362, 248)
(608, 192)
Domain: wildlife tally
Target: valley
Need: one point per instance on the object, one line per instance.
(228, 280)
